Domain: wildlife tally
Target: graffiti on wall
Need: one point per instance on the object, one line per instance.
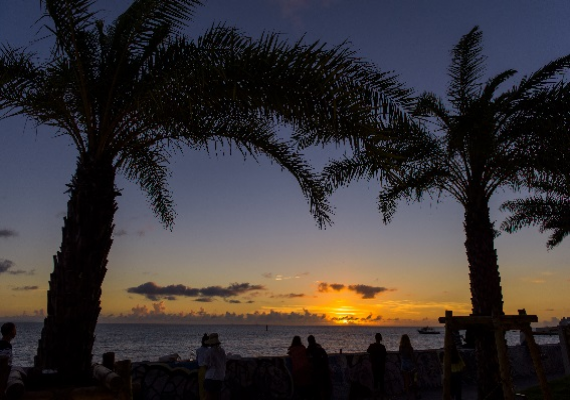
(351, 374)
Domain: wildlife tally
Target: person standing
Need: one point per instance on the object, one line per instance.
(201, 359)
(300, 368)
(408, 366)
(321, 376)
(8, 333)
(378, 353)
(215, 361)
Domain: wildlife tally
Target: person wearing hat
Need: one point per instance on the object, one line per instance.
(215, 362)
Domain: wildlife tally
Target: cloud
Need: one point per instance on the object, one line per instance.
(157, 309)
(267, 275)
(120, 232)
(8, 233)
(24, 288)
(7, 265)
(155, 292)
(234, 301)
(287, 296)
(325, 287)
(204, 299)
(367, 292)
(158, 314)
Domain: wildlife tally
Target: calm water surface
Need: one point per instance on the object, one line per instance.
(148, 342)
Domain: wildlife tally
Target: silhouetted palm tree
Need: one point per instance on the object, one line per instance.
(478, 145)
(130, 93)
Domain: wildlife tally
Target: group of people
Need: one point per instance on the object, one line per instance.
(310, 369)
(211, 359)
(311, 373)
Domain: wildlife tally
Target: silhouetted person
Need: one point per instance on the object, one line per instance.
(408, 366)
(378, 353)
(215, 361)
(8, 333)
(201, 360)
(321, 377)
(301, 368)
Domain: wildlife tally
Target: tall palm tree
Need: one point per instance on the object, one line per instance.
(478, 144)
(131, 93)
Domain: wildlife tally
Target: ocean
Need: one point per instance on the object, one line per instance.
(148, 342)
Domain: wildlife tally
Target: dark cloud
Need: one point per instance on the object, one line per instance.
(6, 268)
(367, 292)
(267, 275)
(8, 233)
(120, 232)
(231, 301)
(324, 287)
(5, 265)
(155, 292)
(26, 288)
(204, 299)
(234, 289)
(288, 296)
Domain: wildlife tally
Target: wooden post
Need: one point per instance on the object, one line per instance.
(448, 342)
(123, 368)
(535, 354)
(504, 363)
(564, 335)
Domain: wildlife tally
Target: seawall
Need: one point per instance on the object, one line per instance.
(270, 377)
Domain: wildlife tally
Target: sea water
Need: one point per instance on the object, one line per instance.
(148, 342)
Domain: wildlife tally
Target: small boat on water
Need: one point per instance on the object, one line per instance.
(426, 330)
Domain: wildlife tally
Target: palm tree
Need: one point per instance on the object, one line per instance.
(131, 93)
(479, 144)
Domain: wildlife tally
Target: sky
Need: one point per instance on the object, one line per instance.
(244, 248)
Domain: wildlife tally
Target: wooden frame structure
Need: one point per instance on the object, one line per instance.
(499, 324)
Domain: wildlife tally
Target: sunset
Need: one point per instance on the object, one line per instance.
(244, 245)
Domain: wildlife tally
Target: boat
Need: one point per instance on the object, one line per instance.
(426, 330)
(548, 330)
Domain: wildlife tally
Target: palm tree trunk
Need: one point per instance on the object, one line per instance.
(74, 291)
(486, 291)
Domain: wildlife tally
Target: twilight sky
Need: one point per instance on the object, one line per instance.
(244, 246)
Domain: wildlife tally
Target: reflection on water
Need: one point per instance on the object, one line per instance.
(139, 342)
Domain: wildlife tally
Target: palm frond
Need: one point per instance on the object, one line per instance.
(548, 212)
(145, 20)
(148, 168)
(467, 67)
